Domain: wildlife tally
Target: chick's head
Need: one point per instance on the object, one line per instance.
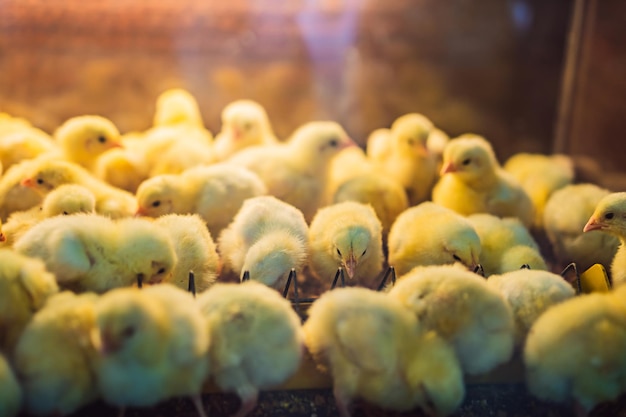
(157, 196)
(245, 120)
(411, 133)
(470, 156)
(463, 246)
(50, 175)
(350, 247)
(86, 137)
(270, 260)
(175, 106)
(68, 199)
(319, 141)
(609, 215)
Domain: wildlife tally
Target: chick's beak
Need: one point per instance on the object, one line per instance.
(140, 212)
(2, 237)
(347, 143)
(117, 145)
(27, 182)
(350, 264)
(593, 224)
(422, 150)
(449, 167)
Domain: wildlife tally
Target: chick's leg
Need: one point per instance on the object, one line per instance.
(343, 402)
(197, 402)
(249, 398)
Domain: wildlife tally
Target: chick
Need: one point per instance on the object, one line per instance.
(153, 345)
(530, 293)
(375, 349)
(346, 235)
(464, 310)
(175, 106)
(84, 138)
(348, 163)
(27, 143)
(88, 252)
(13, 195)
(297, 171)
(55, 358)
(25, 285)
(472, 181)
(575, 350)
(215, 192)
(10, 391)
(267, 238)
(244, 123)
(122, 168)
(429, 234)
(256, 339)
(407, 159)
(540, 175)
(195, 251)
(506, 244)
(609, 217)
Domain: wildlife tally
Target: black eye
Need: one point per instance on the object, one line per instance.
(156, 203)
(333, 143)
(338, 252)
(456, 258)
(39, 181)
(128, 332)
(160, 271)
(466, 161)
(364, 252)
(102, 139)
(65, 213)
(609, 216)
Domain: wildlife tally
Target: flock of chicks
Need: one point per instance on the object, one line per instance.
(92, 218)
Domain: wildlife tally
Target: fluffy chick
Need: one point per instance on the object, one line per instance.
(175, 106)
(25, 285)
(268, 238)
(530, 293)
(406, 158)
(609, 216)
(13, 195)
(122, 168)
(375, 349)
(347, 235)
(297, 171)
(464, 310)
(244, 123)
(256, 339)
(472, 181)
(429, 234)
(540, 175)
(88, 252)
(153, 345)
(55, 358)
(565, 216)
(215, 192)
(575, 350)
(10, 390)
(506, 244)
(27, 143)
(84, 138)
(195, 251)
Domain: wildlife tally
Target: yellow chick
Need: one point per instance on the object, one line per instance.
(348, 163)
(244, 123)
(89, 252)
(256, 339)
(575, 351)
(175, 106)
(464, 310)
(297, 171)
(267, 238)
(609, 217)
(153, 345)
(346, 235)
(472, 181)
(25, 285)
(27, 143)
(386, 196)
(215, 192)
(55, 358)
(375, 349)
(530, 293)
(506, 244)
(565, 216)
(429, 234)
(13, 195)
(195, 251)
(122, 168)
(10, 390)
(84, 138)
(406, 158)
(540, 175)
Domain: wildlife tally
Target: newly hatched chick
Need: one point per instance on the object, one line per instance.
(472, 181)
(506, 244)
(23, 144)
(609, 216)
(530, 293)
(297, 171)
(385, 195)
(25, 285)
(429, 234)
(256, 339)
(375, 349)
(348, 163)
(215, 192)
(175, 106)
(55, 358)
(464, 310)
(13, 195)
(244, 123)
(267, 238)
(346, 235)
(406, 158)
(123, 168)
(153, 346)
(10, 390)
(88, 252)
(195, 251)
(575, 350)
(84, 138)
(565, 216)
(540, 175)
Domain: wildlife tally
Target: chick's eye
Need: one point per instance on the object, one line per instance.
(364, 252)
(333, 143)
(128, 331)
(102, 139)
(39, 181)
(160, 271)
(466, 161)
(338, 252)
(456, 258)
(609, 216)
(156, 203)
